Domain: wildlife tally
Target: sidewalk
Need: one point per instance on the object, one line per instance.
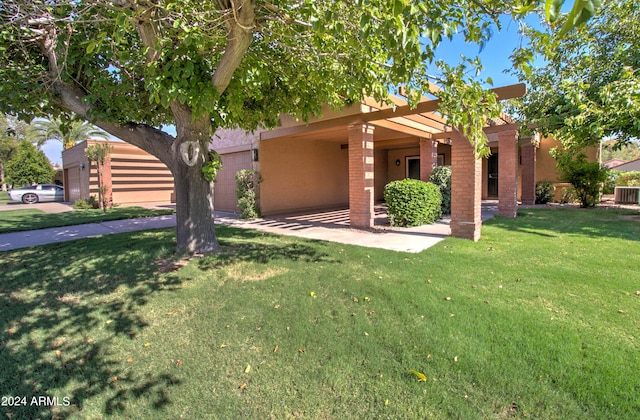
(409, 240)
(330, 226)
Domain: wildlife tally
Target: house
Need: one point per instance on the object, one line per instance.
(346, 157)
(133, 175)
(632, 165)
(613, 162)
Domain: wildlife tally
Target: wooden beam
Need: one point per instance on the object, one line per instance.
(504, 92)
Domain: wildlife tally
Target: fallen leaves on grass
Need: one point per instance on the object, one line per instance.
(247, 369)
(421, 376)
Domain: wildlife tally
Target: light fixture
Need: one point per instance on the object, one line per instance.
(254, 155)
(82, 166)
(397, 162)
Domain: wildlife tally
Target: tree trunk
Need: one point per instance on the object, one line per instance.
(4, 182)
(195, 232)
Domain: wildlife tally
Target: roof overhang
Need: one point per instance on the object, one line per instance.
(420, 120)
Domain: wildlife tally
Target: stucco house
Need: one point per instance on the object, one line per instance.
(345, 158)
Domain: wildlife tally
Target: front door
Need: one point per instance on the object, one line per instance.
(492, 179)
(413, 167)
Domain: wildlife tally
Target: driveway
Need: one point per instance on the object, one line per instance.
(56, 207)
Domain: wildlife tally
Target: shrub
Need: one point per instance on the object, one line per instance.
(544, 191)
(246, 184)
(441, 177)
(628, 179)
(586, 178)
(412, 203)
(90, 203)
(610, 182)
(568, 196)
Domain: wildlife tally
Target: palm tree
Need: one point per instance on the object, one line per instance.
(68, 132)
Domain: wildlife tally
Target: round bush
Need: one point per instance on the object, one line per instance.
(412, 203)
(441, 177)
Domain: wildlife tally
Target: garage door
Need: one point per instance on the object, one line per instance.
(72, 188)
(224, 191)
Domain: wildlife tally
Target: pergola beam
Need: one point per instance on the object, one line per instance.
(504, 92)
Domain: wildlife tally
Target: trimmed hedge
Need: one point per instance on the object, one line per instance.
(628, 179)
(412, 203)
(441, 177)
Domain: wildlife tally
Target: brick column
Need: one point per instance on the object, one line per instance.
(361, 175)
(508, 173)
(466, 190)
(528, 156)
(428, 157)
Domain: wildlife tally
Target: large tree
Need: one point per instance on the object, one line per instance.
(28, 165)
(66, 130)
(589, 87)
(131, 66)
(11, 132)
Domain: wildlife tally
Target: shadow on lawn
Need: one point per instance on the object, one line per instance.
(261, 248)
(63, 309)
(596, 223)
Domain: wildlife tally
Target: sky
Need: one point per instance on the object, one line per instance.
(494, 56)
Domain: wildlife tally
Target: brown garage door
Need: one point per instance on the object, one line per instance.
(72, 189)
(224, 191)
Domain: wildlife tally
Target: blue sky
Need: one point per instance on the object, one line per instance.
(494, 56)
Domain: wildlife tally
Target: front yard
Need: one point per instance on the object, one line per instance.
(26, 218)
(540, 319)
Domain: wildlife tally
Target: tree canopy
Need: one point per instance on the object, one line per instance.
(131, 67)
(589, 88)
(11, 132)
(28, 165)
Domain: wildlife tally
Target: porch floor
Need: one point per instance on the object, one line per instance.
(333, 225)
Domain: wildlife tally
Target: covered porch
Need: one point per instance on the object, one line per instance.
(334, 225)
(346, 158)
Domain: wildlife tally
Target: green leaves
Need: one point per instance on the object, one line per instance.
(582, 11)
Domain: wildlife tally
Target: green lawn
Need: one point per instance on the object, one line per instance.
(539, 319)
(4, 198)
(29, 218)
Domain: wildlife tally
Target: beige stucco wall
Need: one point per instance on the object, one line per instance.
(400, 172)
(300, 174)
(136, 176)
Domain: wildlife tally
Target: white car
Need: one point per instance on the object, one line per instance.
(35, 193)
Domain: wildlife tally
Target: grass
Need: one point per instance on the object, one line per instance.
(29, 218)
(4, 197)
(539, 319)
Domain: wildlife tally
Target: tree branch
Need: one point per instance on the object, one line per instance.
(240, 36)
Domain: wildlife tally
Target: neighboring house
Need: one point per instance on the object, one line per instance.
(632, 165)
(613, 162)
(133, 175)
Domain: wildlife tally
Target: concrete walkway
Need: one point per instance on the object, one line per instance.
(326, 226)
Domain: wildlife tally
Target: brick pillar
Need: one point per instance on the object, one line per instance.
(361, 175)
(528, 156)
(466, 190)
(428, 157)
(508, 173)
